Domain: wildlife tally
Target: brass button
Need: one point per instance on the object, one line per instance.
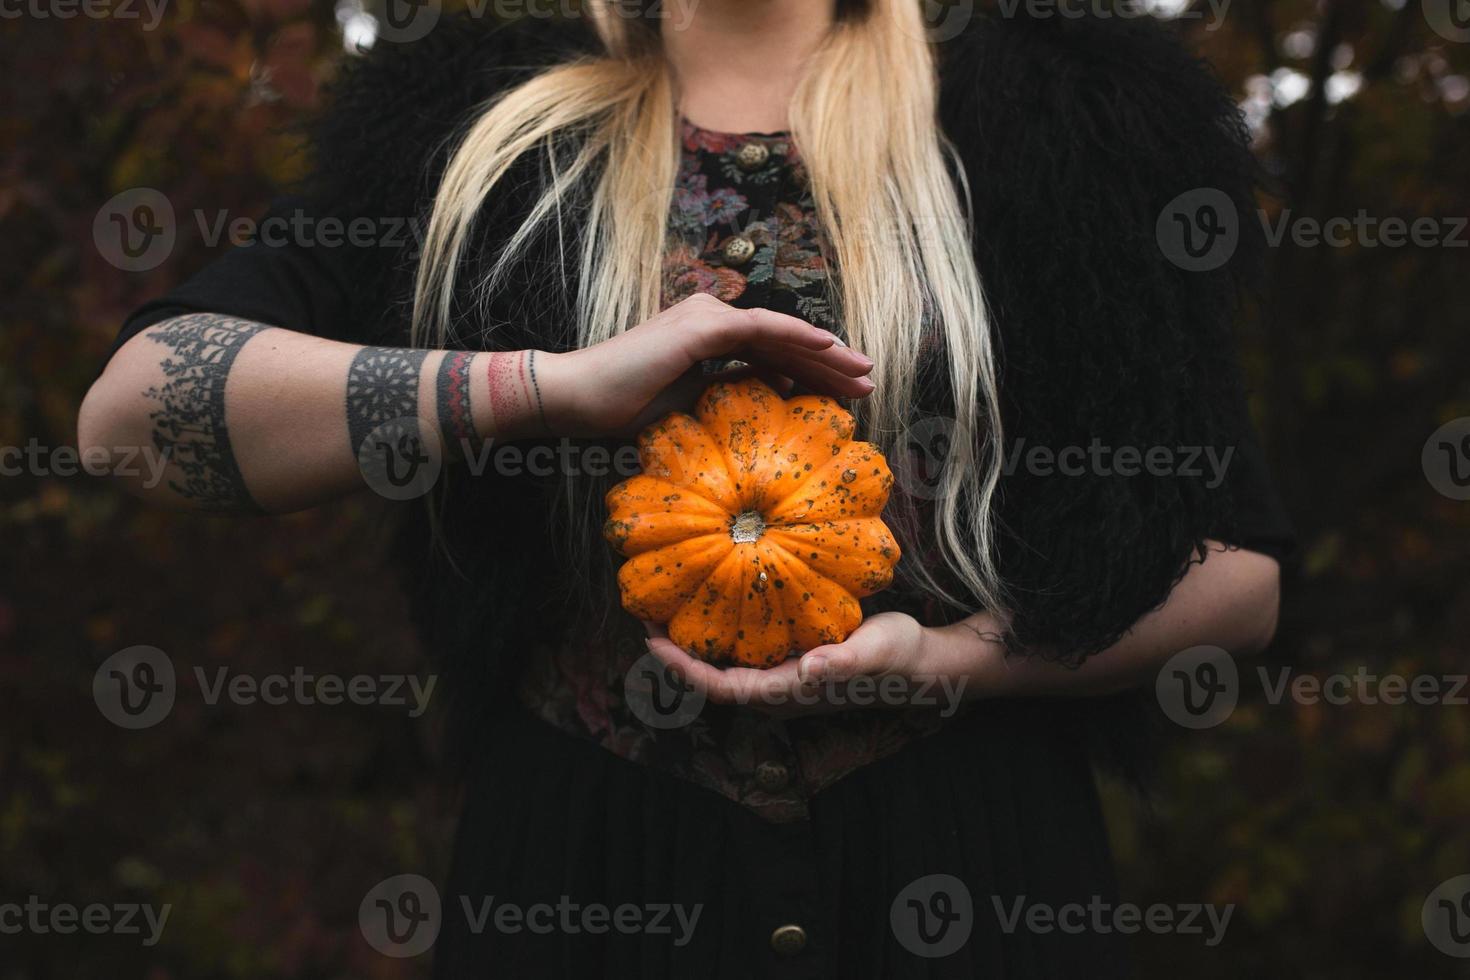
(738, 250)
(788, 940)
(772, 776)
(752, 156)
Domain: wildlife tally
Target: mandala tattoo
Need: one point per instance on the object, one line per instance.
(383, 387)
(189, 426)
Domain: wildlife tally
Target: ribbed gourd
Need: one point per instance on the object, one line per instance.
(754, 527)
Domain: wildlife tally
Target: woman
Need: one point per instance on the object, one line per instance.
(960, 234)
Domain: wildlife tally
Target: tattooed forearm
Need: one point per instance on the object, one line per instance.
(189, 426)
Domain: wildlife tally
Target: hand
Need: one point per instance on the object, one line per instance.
(899, 661)
(618, 386)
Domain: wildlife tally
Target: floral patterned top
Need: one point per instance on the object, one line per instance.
(743, 228)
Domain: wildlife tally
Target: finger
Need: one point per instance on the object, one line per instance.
(721, 331)
(817, 377)
(822, 378)
(702, 677)
(772, 689)
(839, 358)
(864, 652)
(783, 385)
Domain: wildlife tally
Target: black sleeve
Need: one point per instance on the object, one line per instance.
(336, 258)
(1259, 519)
(287, 280)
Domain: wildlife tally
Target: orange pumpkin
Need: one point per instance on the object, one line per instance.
(754, 528)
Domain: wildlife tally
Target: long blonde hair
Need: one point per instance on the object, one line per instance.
(883, 179)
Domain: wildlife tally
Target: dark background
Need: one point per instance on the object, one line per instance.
(1327, 825)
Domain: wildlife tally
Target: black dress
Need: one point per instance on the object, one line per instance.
(919, 861)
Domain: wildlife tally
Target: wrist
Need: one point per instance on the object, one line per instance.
(979, 644)
(560, 393)
(511, 390)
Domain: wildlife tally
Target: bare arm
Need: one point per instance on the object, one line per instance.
(256, 418)
(1230, 601)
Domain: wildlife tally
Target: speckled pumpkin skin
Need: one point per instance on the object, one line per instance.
(730, 591)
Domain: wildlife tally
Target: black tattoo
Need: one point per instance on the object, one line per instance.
(189, 428)
(456, 421)
(382, 386)
(536, 387)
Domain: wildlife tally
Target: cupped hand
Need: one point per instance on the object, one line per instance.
(889, 660)
(616, 387)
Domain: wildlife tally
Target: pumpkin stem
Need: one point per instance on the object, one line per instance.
(747, 527)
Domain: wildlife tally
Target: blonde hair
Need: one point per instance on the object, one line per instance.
(883, 180)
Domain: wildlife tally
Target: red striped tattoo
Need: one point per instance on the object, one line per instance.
(456, 420)
(508, 390)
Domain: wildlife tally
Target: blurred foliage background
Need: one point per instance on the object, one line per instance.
(264, 826)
